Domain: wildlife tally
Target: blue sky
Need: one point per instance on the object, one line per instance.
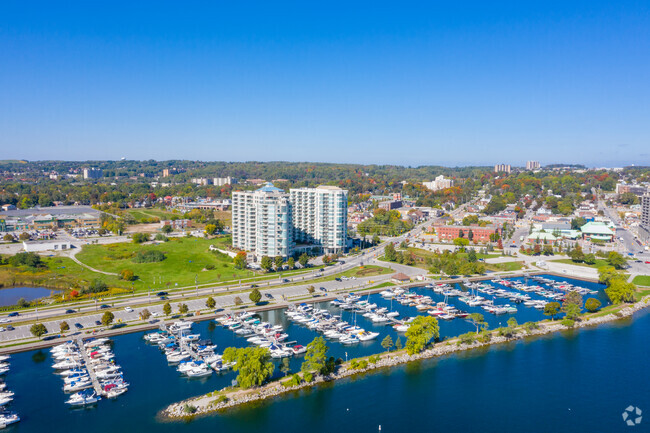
(451, 83)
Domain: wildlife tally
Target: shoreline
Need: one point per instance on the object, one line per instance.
(207, 405)
(27, 345)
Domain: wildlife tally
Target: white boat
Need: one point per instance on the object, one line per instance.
(5, 400)
(82, 399)
(365, 336)
(4, 358)
(7, 418)
(115, 392)
(76, 386)
(199, 372)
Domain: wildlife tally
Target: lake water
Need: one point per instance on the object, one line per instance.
(575, 381)
(11, 295)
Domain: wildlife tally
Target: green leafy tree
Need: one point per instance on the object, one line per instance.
(266, 263)
(107, 318)
(239, 261)
(477, 320)
(38, 330)
(616, 260)
(167, 309)
(253, 365)
(303, 259)
(572, 305)
(63, 326)
(420, 333)
(278, 262)
(590, 259)
(398, 344)
(210, 229)
(387, 343)
(577, 255)
(285, 366)
(316, 356)
(139, 238)
(238, 300)
(291, 263)
(255, 296)
(552, 309)
(167, 229)
(471, 256)
(592, 305)
(389, 252)
(620, 291)
(145, 314)
(183, 308)
(311, 290)
(210, 302)
(375, 239)
(461, 242)
(127, 275)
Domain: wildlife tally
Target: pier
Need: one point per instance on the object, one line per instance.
(91, 371)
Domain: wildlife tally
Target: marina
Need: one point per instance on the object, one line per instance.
(154, 384)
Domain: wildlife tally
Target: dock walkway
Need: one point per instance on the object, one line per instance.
(91, 372)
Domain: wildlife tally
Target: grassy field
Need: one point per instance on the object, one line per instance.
(599, 263)
(505, 266)
(186, 259)
(642, 280)
(142, 214)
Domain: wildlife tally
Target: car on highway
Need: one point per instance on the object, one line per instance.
(254, 286)
(78, 325)
(104, 306)
(161, 294)
(321, 270)
(70, 311)
(5, 320)
(128, 309)
(286, 280)
(14, 314)
(2, 329)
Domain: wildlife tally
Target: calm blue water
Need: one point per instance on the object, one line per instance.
(576, 381)
(11, 295)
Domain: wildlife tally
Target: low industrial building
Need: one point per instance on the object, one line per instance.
(50, 218)
(598, 231)
(39, 246)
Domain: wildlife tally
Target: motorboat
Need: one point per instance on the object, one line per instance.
(7, 418)
(83, 398)
(199, 372)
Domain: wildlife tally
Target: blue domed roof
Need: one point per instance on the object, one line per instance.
(270, 188)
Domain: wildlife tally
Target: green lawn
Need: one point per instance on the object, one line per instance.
(642, 280)
(186, 259)
(599, 263)
(505, 266)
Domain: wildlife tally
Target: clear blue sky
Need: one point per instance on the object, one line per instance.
(452, 83)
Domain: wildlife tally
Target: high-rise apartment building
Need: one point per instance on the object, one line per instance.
(645, 211)
(532, 165)
(221, 181)
(320, 217)
(261, 222)
(93, 173)
(502, 168)
(269, 222)
(439, 183)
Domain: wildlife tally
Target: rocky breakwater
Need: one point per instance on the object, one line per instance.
(226, 399)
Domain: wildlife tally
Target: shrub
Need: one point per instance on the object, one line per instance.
(161, 237)
(568, 323)
(592, 305)
(32, 260)
(308, 376)
(127, 275)
(530, 326)
(189, 409)
(96, 286)
(294, 381)
(139, 238)
(209, 266)
(467, 338)
(354, 364)
(363, 364)
(485, 337)
(151, 256)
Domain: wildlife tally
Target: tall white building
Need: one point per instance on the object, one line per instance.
(532, 165)
(505, 168)
(645, 211)
(269, 222)
(261, 222)
(439, 183)
(93, 173)
(320, 217)
(221, 181)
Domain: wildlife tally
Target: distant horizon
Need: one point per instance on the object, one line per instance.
(513, 165)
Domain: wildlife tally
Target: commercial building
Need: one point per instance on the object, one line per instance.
(622, 188)
(439, 183)
(221, 181)
(390, 204)
(93, 173)
(532, 165)
(478, 235)
(502, 168)
(320, 217)
(37, 246)
(262, 222)
(50, 218)
(269, 222)
(201, 181)
(598, 231)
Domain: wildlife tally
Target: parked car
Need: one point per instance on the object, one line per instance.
(98, 323)
(128, 309)
(78, 325)
(323, 289)
(268, 295)
(10, 328)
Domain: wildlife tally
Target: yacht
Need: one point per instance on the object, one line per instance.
(83, 398)
(7, 418)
